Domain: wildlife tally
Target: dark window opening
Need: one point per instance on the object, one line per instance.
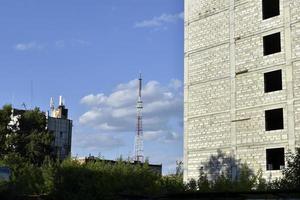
(270, 8)
(274, 119)
(273, 81)
(275, 159)
(272, 44)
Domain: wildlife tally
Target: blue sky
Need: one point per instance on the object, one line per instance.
(91, 52)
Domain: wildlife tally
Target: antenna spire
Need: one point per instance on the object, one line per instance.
(61, 102)
(51, 103)
(138, 146)
(140, 86)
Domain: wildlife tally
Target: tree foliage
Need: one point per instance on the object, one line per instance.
(28, 139)
(5, 140)
(291, 174)
(25, 147)
(226, 174)
(102, 180)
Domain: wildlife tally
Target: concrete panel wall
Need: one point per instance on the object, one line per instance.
(225, 102)
(250, 89)
(208, 65)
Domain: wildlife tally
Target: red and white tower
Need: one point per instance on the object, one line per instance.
(138, 145)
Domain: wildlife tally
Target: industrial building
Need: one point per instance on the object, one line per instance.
(58, 124)
(241, 83)
(61, 127)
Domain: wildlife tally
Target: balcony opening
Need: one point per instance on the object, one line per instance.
(274, 119)
(272, 44)
(273, 81)
(275, 159)
(270, 8)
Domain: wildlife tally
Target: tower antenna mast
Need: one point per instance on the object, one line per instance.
(138, 146)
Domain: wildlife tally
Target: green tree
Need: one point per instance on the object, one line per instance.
(203, 183)
(223, 183)
(5, 133)
(291, 174)
(171, 184)
(25, 135)
(104, 180)
(228, 174)
(192, 185)
(246, 180)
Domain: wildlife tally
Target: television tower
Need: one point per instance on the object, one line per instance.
(138, 145)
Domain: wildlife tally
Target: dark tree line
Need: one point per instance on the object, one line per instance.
(25, 147)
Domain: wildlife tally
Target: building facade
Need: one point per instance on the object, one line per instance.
(61, 127)
(242, 83)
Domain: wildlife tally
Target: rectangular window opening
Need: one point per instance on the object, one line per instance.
(272, 44)
(275, 159)
(274, 119)
(270, 8)
(273, 81)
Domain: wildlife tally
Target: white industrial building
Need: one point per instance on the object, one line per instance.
(61, 127)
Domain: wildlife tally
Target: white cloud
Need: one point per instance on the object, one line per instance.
(116, 112)
(161, 135)
(93, 100)
(101, 141)
(159, 21)
(28, 46)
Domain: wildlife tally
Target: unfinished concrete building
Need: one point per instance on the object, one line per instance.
(242, 82)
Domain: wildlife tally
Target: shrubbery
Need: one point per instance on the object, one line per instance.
(26, 149)
(102, 180)
(93, 180)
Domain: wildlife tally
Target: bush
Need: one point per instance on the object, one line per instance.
(171, 184)
(27, 178)
(101, 180)
(291, 174)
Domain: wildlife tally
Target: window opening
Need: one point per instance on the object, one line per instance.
(275, 159)
(270, 8)
(273, 81)
(274, 119)
(272, 44)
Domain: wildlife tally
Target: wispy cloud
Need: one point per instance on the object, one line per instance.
(33, 45)
(80, 42)
(28, 46)
(60, 43)
(159, 21)
(161, 136)
(71, 42)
